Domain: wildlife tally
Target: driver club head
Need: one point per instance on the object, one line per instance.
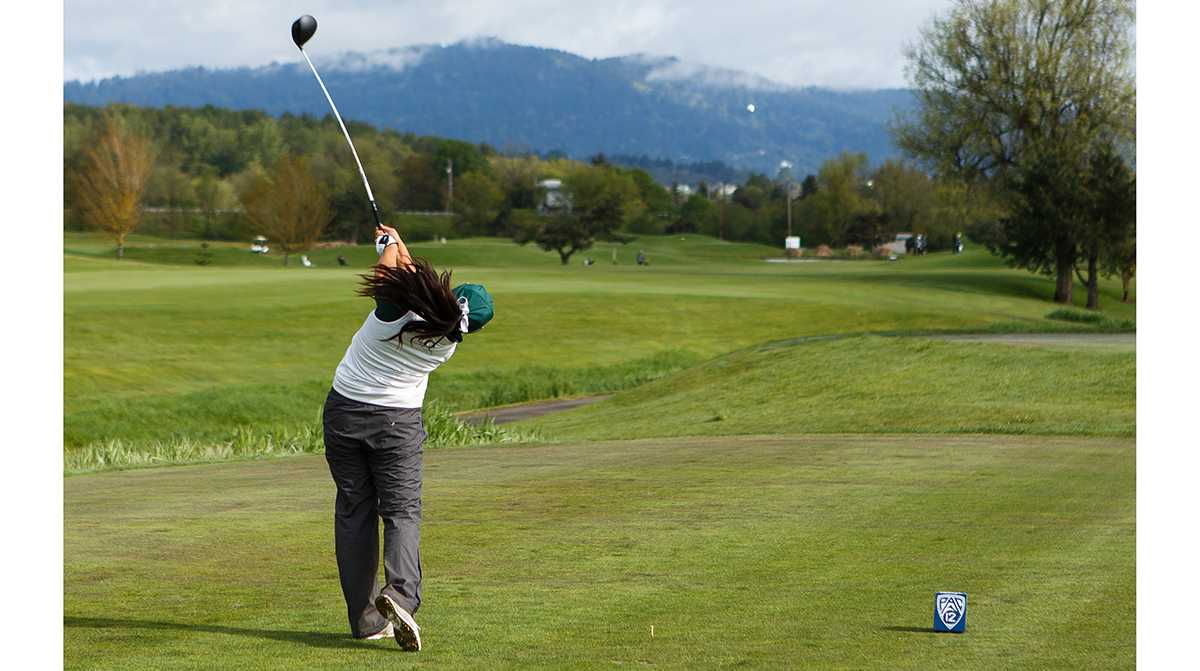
(303, 29)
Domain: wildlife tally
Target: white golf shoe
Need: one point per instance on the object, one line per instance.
(407, 633)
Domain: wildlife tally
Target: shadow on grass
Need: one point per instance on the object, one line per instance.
(315, 639)
(1013, 285)
(911, 630)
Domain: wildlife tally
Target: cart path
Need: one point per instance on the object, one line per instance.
(514, 413)
(1126, 342)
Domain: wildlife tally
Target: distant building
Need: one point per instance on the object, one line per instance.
(553, 198)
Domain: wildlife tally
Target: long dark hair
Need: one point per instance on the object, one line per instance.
(421, 289)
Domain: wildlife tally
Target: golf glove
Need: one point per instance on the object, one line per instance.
(382, 242)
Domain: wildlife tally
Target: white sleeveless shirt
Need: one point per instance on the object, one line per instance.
(385, 372)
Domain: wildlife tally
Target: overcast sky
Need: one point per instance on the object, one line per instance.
(846, 43)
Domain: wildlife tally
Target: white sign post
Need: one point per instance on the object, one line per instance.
(791, 245)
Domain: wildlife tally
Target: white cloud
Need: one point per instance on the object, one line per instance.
(391, 59)
(677, 70)
(852, 43)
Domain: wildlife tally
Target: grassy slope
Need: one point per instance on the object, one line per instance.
(814, 552)
(820, 552)
(154, 350)
(874, 385)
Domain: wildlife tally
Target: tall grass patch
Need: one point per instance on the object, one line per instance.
(250, 442)
(485, 389)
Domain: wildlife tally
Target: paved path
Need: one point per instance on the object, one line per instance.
(1109, 341)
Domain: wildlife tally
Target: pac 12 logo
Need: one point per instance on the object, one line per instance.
(950, 612)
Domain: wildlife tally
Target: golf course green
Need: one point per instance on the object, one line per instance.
(794, 458)
(763, 552)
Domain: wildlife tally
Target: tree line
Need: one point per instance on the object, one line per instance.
(217, 166)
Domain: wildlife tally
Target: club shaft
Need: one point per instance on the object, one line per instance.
(362, 173)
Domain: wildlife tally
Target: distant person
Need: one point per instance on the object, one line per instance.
(588, 261)
(641, 257)
(341, 260)
(374, 432)
(304, 260)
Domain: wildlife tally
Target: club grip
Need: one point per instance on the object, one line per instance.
(375, 212)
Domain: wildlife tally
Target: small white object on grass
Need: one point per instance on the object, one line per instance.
(750, 108)
(651, 631)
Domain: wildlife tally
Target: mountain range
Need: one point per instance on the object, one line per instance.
(522, 98)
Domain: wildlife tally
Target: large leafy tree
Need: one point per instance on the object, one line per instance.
(423, 183)
(1018, 92)
(212, 195)
(696, 214)
(905, 195)
(832, 213)
(477, 203)
(604, 198)
(1110, 231)
(659, 209)
(1121, 260)
(562, 232)
(601, 201)
(288, 205)
(110, 177)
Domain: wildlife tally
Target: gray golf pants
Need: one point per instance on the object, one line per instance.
(374, 455)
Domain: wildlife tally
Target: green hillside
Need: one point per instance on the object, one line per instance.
(876, 385)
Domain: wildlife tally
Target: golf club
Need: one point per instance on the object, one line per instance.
(303, 29)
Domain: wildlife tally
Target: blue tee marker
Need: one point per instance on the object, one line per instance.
(950, 612)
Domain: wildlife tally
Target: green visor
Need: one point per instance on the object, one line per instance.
(476, 304)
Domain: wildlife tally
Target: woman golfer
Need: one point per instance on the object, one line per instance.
(374, 432)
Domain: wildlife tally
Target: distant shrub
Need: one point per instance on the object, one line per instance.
(824, 251)
(423, 228)
(990, 234)
(1099, 321)
(204, 256)
(1067, 315)
(647, 224)
(854, 251)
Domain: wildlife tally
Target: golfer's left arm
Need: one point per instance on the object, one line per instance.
(396, 253)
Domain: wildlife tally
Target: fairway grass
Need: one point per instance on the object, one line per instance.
(794, 459)
(160, 351)
(741, 552)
